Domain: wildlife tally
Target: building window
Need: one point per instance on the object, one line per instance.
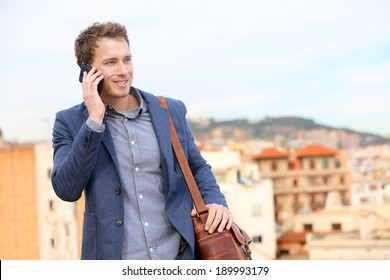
(278, 182)
(325, 180)
(51, 205)
(337, 164)
(53, 244)
(336, 227)
(257, 239)
(274, 166)
(308, 227)
(291, 165)
(296, 205)
(295, 183)
(49, 173)
(312, 181)
(342, 182)
(238, 172)
(284, 252)
(325, 163)
(344, 198)
(312, 164)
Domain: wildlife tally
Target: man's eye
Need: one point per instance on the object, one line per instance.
(110, 62)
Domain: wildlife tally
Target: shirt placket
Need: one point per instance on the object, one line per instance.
(140, 188)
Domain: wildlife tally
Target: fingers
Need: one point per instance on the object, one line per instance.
(91, 81)
(219, 218)
(193, 213)
(94, 103)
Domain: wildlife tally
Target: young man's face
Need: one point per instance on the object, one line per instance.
(113, 59)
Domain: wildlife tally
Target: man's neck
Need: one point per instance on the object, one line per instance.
(123, 104)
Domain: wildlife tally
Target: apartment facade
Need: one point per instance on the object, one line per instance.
(302, 179)
(350, 233)
(34, 223)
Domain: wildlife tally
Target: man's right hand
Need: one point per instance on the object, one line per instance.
(94, 103)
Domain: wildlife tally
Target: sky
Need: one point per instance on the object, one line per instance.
(324, 60)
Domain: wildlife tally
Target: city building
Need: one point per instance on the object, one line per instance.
(302, 179)
(370, 191)
(352, 232)
(34, 223)
(359, 231)
(249, 199)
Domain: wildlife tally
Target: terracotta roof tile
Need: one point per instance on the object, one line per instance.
(315, 151)
(270, 153)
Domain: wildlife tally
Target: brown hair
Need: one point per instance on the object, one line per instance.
(86, 42)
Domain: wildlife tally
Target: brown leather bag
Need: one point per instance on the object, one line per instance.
(232, 244)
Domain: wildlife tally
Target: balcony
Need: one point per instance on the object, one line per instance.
(309, 189)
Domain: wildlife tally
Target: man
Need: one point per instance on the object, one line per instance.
(115, 146)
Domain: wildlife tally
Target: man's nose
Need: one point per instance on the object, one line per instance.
(121, 68)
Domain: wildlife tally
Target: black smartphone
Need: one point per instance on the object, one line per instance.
(86, 68)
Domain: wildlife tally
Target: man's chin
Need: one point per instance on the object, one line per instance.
(119, 92)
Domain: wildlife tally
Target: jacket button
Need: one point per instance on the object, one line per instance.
(118, 222)
(118, 191)
(85, 144)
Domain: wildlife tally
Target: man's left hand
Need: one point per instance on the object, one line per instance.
(219, 218)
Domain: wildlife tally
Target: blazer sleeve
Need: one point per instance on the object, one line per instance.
(201, 170)
(75, 155)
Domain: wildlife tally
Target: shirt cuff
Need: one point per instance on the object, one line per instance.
(94, 126)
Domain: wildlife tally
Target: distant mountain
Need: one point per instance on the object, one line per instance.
(268, 128)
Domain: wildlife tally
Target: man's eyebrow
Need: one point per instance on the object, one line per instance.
(109, 58)
(115, 58)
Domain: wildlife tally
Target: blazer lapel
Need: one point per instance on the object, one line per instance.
(159, 117)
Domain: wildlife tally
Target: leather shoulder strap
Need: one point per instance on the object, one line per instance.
(185, 169)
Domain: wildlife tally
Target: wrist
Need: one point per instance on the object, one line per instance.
(94, 126)
(97, 119)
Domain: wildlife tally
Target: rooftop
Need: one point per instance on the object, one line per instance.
(315, 151)
(308, 151)
(270, 153)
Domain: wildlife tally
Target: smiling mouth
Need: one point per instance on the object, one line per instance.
(120, 83)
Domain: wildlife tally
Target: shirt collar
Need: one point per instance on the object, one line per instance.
(132, 114)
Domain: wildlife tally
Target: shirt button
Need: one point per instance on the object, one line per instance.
(141, 196)
(118, 222)
(132, 142)
(146, 224)
(151, 249)
(118, 191)
(137, 169)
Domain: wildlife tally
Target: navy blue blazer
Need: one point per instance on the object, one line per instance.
(86, 161)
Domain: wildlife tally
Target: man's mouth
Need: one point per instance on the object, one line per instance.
(121, 83)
